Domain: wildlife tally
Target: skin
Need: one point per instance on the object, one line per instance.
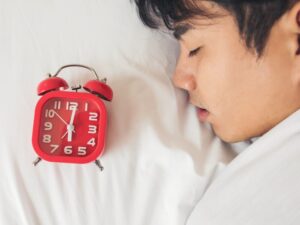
(245, 95)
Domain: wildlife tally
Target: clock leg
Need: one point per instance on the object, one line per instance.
(99, 164)
(35, 162)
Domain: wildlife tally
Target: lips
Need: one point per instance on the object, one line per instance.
(202, 114)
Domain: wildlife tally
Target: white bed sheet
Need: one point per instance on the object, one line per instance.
(157, 153)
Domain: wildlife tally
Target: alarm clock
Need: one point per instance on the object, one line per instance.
(70, 125)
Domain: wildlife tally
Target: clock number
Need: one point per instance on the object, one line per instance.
(71, 105)
(93, 116)
(57, 104)
(86, 106)
(48, 125)
(92, 129)
(49, 113)
(68, 150)
(92, 142)
(81, 150)
(54, 148)
(47, 138)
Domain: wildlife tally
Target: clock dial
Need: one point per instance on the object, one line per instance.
(69, 127)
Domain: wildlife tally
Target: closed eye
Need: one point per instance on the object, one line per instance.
(194, 52)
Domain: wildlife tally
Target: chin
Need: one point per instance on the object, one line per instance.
(232, 140)
(230, 136)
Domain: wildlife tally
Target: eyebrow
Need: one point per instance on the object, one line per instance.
(181, 30)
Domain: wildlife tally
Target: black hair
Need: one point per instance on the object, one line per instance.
(253, 18)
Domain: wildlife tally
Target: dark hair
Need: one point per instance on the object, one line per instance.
(254, 18)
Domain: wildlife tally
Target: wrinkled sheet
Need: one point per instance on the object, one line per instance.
(260, 186)
(158, 159)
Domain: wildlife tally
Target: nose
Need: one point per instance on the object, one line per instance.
(184, 76)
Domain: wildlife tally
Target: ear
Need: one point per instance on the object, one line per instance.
(291, 21)
(285, 42)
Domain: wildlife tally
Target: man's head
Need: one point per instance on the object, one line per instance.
(239, 60)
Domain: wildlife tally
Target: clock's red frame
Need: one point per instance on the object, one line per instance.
(101, 126)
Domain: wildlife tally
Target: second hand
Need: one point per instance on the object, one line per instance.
(60, 118)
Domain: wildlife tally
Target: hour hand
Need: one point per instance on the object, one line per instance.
(70, 130)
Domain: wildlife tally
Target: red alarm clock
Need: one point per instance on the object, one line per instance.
(70, 126)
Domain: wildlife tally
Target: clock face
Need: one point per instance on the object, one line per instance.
(69, 127)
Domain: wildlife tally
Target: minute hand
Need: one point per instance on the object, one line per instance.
(70, 127)
(72, 116)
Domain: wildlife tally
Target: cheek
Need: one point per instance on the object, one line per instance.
(232, 90)
(223, 78)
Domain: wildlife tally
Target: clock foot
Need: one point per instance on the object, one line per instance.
(97, 162)
(35, 162)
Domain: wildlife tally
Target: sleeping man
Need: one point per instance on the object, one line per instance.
(239, 62)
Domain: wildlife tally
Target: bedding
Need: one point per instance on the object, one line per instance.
(158, 158)
(260, 186)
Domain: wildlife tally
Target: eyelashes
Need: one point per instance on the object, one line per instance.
(194, 52)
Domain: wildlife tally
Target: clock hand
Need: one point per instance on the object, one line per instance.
(70, 126)
(60, 117)
(72, 116)
(66, 134)
(69, 131)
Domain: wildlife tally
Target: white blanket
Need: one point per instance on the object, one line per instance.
(157, 154)
(261, 186)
